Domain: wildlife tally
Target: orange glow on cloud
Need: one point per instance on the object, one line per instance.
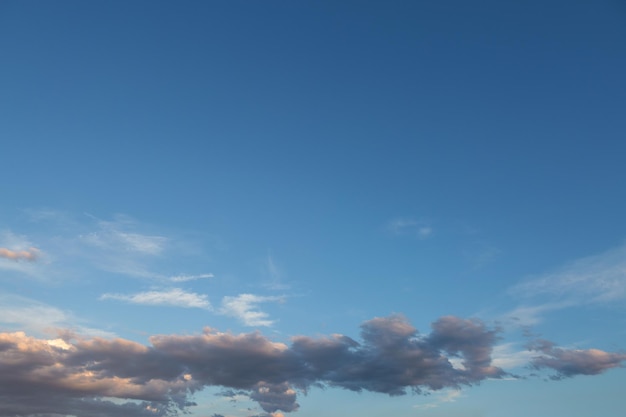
(28, 255)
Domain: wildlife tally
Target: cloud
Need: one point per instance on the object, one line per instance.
(78, 376)
(480, 253)
(532, 315)
(39, 318)
(174, 297)
(274, 273)
(40, 378)
(31, 254)
(407, 226)
(185, 278)
(117, 246)
(571, 362)
(598, 278)
(506, 356)
(243, 307)
(19, 254)
(112, 236)
(448, 396)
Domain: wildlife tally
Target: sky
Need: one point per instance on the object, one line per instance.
(303, 208)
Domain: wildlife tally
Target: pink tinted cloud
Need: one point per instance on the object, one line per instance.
(75, 376)
(18, 255)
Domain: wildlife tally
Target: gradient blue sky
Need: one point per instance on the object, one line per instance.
(284, 171)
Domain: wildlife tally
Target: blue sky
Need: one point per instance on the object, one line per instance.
(338, 208)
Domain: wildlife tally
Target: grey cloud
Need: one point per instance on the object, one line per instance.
(571, 362)
(470, 339)
(48, 405)
(394, 358)
(274, 397)
(75, 377)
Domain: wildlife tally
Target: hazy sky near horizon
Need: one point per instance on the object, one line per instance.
(304, 208)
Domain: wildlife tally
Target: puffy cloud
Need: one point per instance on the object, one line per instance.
(175, 297)
(39, 377)
(94, 376)
(572, 362)
(30, 254)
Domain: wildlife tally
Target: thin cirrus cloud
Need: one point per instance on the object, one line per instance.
(39, 318)
(186, 278)
(175, 297)
(408, 226)
(113, 236)
(599, 278)
(77, 376)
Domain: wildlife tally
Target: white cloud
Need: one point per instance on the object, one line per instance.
(243, 308)
(111, 236)
(26, 314)
(174, 297)
(185, 278)
(442, 397)
(507, 356)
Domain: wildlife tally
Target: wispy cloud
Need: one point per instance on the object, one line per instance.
(448, 396)
(185, 278)
(17, 253)
(408, 226)
(480, 253)
(243, 307)
(274, 273)
(174, 297)
(29, 254)
(598, 279)
(530, 315)
(65, 247)
(26, 314)
(112, 236)
(74, 376)
(595, 279)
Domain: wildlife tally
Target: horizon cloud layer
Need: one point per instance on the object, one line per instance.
(79, 376)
